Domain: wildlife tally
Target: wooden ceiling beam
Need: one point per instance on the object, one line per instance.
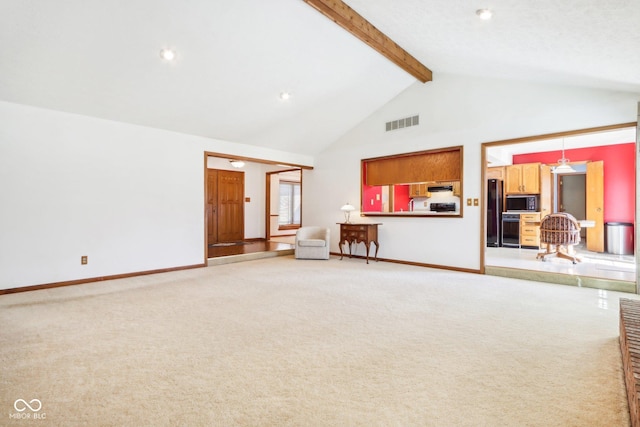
(350, 20)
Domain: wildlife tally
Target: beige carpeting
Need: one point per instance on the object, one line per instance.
(284, 342)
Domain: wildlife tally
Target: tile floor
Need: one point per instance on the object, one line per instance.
(597, 265)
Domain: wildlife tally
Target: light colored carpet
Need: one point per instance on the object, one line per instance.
(284, 342)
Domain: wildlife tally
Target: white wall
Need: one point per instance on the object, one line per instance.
(131, 198)
(454, 110)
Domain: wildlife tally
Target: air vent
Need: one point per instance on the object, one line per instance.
(402, 123)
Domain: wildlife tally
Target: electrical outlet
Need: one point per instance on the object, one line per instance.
(84, 259)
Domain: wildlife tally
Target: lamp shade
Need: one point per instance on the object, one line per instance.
(347, 208)
(236, 163)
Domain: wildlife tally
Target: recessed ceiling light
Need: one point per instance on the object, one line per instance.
(484, 14)
(285, 95)
(167, 54)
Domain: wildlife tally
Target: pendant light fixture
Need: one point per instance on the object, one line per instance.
(563, 164)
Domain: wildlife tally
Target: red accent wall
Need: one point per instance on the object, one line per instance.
(619, 175)
(400, 198)
(369, 192)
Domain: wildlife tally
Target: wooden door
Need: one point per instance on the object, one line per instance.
(212, 206)
(545, 190)
(225, 206)
(230, 206)
(595, 205)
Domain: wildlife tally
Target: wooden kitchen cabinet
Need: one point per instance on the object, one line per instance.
(522, 179)
(530, 230)
(456, 188)
(496, 172)
(421, 189)
(418, 190)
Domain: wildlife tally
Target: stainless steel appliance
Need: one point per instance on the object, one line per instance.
(523, 203)
(511, 230)
(494, 210)
(442, 207)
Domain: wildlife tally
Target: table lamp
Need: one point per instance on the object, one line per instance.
(347, 212)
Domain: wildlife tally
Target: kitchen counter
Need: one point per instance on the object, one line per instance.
(412, 213)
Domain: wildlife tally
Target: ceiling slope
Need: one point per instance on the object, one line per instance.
(234, 58)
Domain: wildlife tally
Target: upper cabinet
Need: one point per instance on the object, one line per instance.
(421, 189)
(496, 172)
(418, 190)
(522, 179)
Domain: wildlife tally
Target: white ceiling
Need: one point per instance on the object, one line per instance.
(101, 58)
(503, 154)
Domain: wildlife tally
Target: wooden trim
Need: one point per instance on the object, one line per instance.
(559, 134)
(483, 207)
(204, 198)
(289, 227)
(267, 207)
(96, 279)
(352, 21)
(416, 153)
(416, 264)
(256, 160)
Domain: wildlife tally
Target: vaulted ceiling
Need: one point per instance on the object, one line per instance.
(234, 59)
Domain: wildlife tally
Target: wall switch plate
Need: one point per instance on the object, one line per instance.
(468, 202)
(84, 259)
(476, 202)
(247, 199)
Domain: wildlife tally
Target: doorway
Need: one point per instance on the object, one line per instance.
(284, 204)
(572, 196)
(225, 206)
(585, 193)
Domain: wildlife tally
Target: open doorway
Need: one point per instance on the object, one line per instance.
(612, 188)
(572, 196)
(284, 204)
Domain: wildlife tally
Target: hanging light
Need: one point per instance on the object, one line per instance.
(563, 164)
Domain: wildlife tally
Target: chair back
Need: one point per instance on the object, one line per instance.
(560, 228)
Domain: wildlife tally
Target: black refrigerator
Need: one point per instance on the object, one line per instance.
(494, 212)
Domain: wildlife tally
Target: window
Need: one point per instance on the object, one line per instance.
(289, 214)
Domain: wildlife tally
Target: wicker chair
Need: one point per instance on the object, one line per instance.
(560, 231)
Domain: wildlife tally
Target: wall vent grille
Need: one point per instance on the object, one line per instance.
(402, 123)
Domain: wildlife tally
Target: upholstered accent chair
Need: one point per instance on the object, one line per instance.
(312, 242)
(560, 231)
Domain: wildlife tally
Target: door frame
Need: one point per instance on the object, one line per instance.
(483, 169)
(268, 214)
(230, 156)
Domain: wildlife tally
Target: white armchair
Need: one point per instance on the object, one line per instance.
(312, 243)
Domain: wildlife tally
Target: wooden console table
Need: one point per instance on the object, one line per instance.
(357, 233)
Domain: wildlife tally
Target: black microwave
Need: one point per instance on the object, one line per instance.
(523, 202)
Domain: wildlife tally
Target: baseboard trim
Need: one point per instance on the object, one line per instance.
(95, 279)
(416, 264)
